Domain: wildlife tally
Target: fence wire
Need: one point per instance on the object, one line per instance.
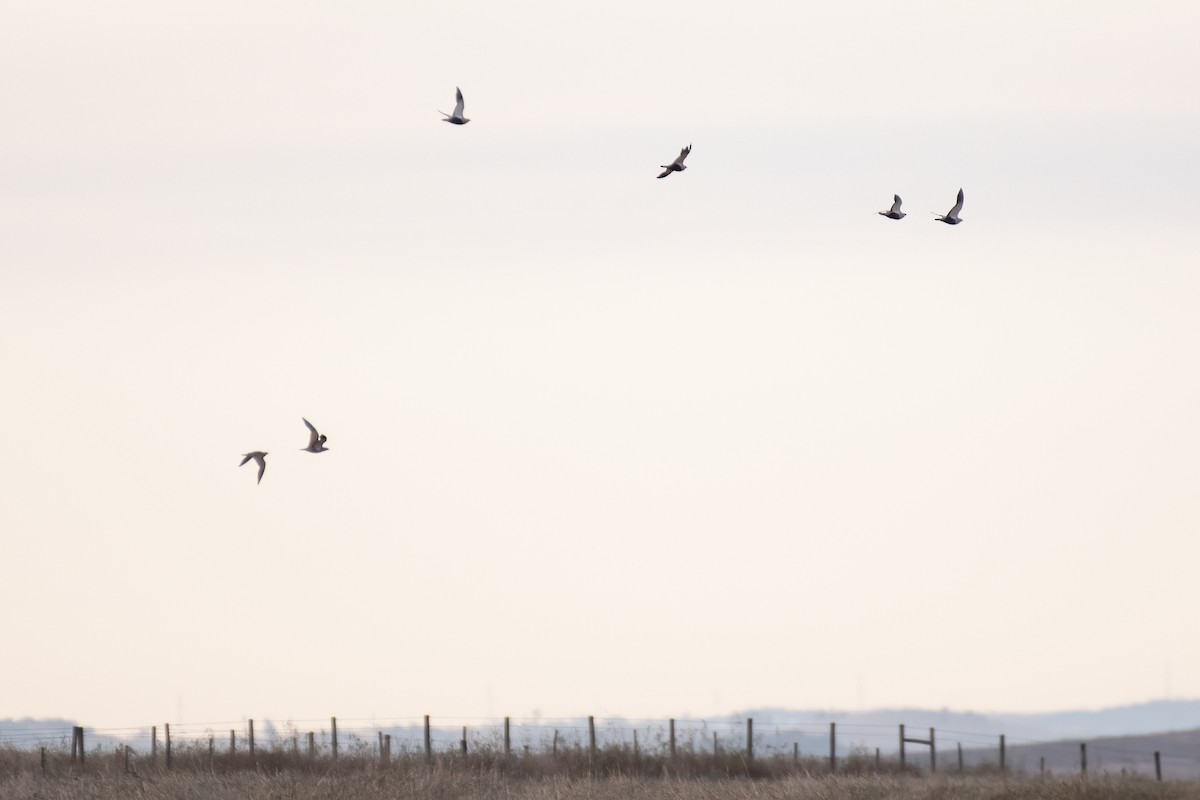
(408, 736)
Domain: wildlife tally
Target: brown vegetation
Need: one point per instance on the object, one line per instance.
(611, 774)
(443, 784)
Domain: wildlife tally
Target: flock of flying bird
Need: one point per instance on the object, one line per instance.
(316, 441)
(950, 217)
(316, 444)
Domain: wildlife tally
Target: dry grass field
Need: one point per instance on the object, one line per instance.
(439, 784)
(611, 774)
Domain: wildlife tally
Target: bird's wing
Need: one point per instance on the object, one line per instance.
(896, 204)
(683, 154)
(312, 432)
(666, 172)
(957, 206)
(262, 467)
(458, 106)
(244, 460)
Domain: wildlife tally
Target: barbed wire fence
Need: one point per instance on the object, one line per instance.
(651, 746)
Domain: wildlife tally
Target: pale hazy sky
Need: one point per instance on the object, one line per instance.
(600, 443)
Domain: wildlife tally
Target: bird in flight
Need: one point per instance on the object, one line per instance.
(316, 441)
(894, 212)
(260, 458)
(457, 117)
(951, 217)
(677, 164)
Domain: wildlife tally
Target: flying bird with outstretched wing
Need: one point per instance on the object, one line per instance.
(457, 117)
(677, 165)
(894, 212)
(316, 441)
(260, 458)
(951, 217)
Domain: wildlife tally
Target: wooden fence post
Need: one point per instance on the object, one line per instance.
(960, 763)
(74, 743)
(127, 749)
(1042, 766)
(1157, 766)
(167, 742)
(211, 744)
(931, 742)
(636, 756)
(1083, 758)
(428, 741)
(591, 738)
(833, 747)
(253, 762)
(464, 741)
(507, 740)
(554, 744)
(749, 739)
(154, 744)
(387, 748)
(1002, 760)
(877, 759)
(333, 736)
(232, 742)
(82, 748)
(312, 745)
(796, 753)
(715, 745)
(44, 762)
(672, 738)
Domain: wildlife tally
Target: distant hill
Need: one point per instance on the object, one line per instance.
(1158, 716)
(1153, 717)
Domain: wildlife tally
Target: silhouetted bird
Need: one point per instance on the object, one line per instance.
(951, 217)
(894, 212)
(457, 117)
(677, 164)
(316, 441)
(260, 457)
